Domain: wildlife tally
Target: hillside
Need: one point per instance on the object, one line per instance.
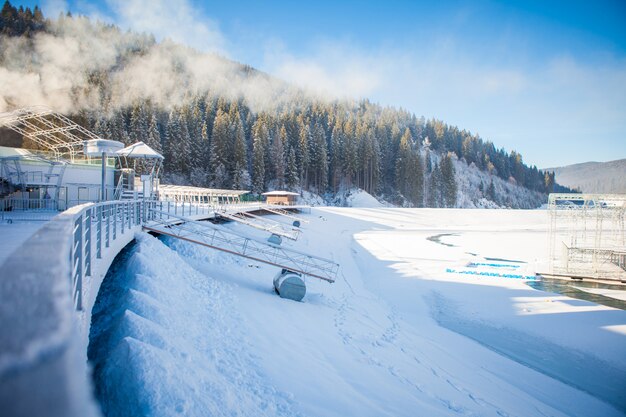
(594, 177)
(226, 125)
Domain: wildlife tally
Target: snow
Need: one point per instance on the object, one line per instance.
(12, 235)
(617, 294)
(360, 198)
(183, 329)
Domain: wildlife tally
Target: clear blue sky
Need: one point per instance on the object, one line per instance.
(545, 78)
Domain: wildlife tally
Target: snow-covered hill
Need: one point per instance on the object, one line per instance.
(180, 329)
(472, 185)
(594, 177)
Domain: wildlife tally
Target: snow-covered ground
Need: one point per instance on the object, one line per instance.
(181, 329)
(13, 234)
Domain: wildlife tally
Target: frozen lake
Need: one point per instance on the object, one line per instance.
(190, 331)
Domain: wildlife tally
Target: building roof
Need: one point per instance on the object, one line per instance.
(139, 150)
(279, 193)
(7, 152)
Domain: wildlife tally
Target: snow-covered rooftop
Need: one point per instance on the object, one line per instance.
(277, 192)
(139, 150)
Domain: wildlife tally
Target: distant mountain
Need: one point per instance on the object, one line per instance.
(593, 177)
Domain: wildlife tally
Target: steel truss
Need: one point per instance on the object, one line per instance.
(282, 212)
(259, 223)
(217, 237)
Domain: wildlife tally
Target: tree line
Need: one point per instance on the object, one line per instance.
(319, 145)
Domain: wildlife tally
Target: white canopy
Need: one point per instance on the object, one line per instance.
(139, 150)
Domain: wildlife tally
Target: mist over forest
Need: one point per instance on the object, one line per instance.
(224, 124)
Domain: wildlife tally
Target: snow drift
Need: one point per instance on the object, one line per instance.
(166, 340)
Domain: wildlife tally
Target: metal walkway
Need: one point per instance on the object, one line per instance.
(282, 212)
(260, 223)
(217, 237)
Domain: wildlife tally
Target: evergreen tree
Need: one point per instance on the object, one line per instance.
(303, 157)
(238, 165)
(491, 192)
(153, 138)
(220, 152)
(448, 181)
(434, 188)
(336, 150)
(319, 159)
(291, 175)
(278, 156)
(260, 138)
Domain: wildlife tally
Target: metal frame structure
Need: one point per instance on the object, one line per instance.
(188, 194)
(587, 235)
(217, 237)
(96, 226)
(48, 129)
(283, 212)
(259, 223)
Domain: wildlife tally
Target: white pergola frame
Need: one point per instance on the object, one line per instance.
(48, 129)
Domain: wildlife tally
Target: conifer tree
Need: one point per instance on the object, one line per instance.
(434, 188)
(153, 138)
(448, 181)
(336, 150)
(291, 175)
(278, 156)
(220, 152)
(260, 140)
(303, 156)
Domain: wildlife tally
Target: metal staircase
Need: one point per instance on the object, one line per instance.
(217, 237)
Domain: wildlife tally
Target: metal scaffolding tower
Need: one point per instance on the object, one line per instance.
(52, 131)
(587, 235)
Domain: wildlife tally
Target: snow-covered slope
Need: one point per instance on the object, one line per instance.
(184, 330)
(470, 180)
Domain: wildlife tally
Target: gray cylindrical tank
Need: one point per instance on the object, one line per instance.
(275, 239)
(290, 285)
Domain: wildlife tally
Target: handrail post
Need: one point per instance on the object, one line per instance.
(88, 242)
(77, 270)
(108, 225)
(99, 233)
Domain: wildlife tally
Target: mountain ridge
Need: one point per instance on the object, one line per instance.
(593, 176)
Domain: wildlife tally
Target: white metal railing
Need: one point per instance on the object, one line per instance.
(21, 204)
(96, 227)
(119, 188)
(14, 208)
(181, 209)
